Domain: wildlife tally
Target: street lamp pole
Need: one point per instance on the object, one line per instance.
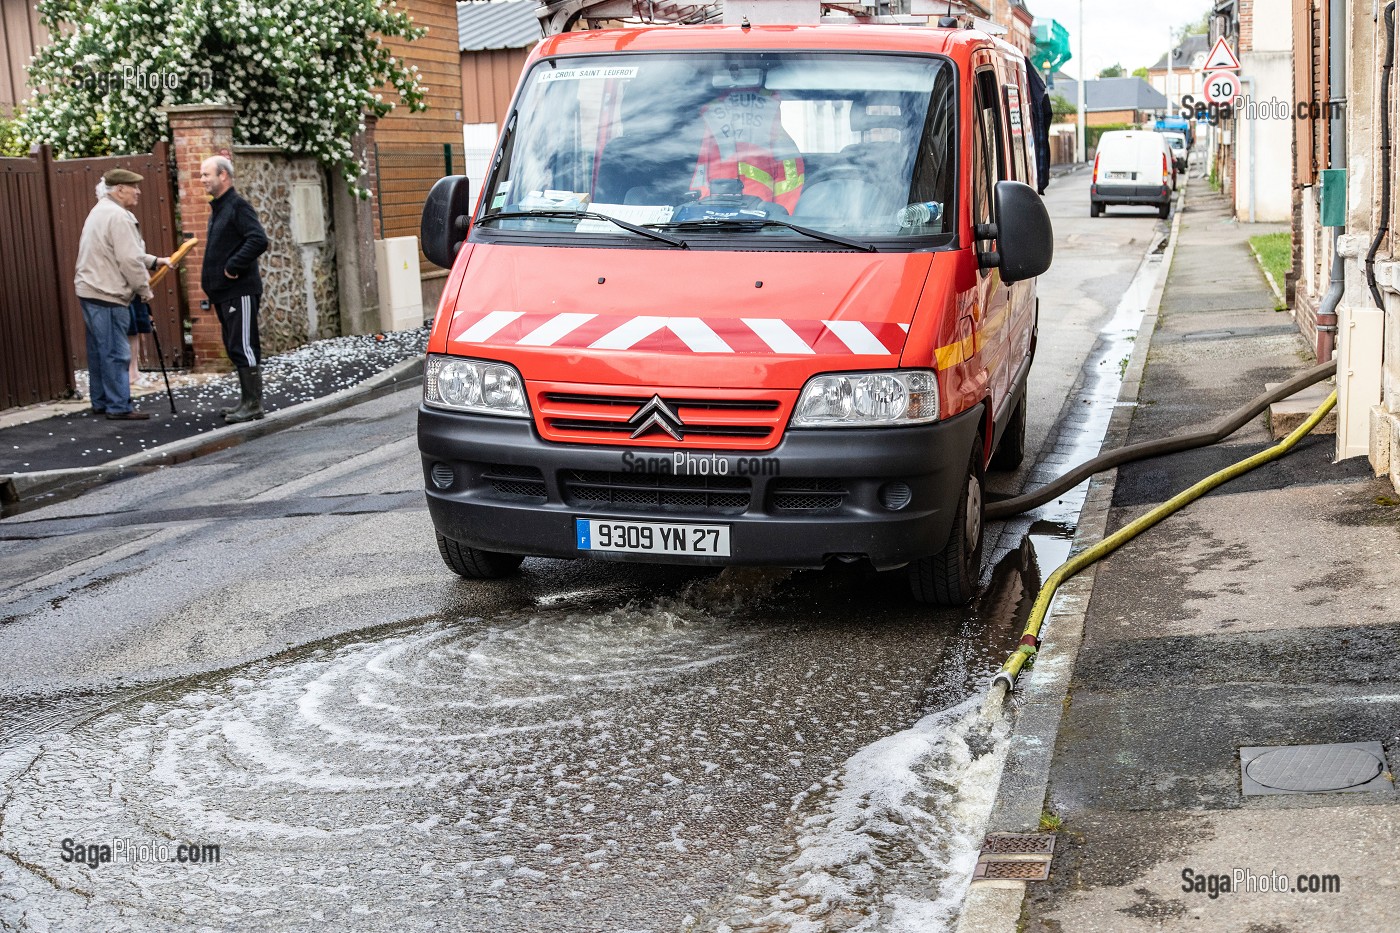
(1079, 149)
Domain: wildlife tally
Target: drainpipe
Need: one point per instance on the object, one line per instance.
(1252, 148)
(1384, 115)
(1336, 158)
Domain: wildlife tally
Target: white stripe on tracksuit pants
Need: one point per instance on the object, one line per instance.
(238, 319)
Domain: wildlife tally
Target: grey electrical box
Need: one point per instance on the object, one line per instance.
(308, 216)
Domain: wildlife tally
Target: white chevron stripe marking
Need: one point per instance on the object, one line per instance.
(857, 338)
(698, 335)
(487, 327)
(555, 329)
(629, 334)
(778, 335)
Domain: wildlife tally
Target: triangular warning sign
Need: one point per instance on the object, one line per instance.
(1221, 58)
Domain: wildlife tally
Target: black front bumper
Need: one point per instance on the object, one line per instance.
(493, 484)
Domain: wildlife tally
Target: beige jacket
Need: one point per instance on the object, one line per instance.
(113, 265)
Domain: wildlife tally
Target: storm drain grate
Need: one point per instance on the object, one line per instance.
(1007, 870)
(1019, 844)
(1313, 769)
(1015, 857)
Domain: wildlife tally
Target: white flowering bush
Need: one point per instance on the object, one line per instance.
(11, 142)
(305, 72)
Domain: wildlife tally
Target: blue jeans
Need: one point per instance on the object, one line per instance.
(109, 355)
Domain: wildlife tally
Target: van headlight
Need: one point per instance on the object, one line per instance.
(474, 385)
(846, 400)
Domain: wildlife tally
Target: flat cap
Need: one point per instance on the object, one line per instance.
(121, 176)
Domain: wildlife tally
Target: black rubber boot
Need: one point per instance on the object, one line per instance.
(251, 410)
(242, 395)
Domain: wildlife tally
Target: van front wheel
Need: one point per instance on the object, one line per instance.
(949, 578)
(474, 564)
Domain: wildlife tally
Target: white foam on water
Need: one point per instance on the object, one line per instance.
(895, 835)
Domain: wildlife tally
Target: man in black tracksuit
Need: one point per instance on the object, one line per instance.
(230, 278)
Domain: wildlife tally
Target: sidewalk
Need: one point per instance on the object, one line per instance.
(65, 435)
(1265, 614)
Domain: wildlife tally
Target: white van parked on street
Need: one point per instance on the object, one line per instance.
(1132, 167)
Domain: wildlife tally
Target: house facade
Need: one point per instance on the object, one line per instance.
(1184, 78)
(1114, 100)
(1339, 49)
(1247, 150)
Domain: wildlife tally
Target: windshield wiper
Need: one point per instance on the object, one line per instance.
(589, 215)
(770, 222)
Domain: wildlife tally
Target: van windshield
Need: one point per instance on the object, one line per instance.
(709, 146)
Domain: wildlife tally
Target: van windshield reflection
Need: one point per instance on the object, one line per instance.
(715, 144)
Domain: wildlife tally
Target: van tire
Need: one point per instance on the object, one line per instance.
(1012, 449)
(949, 578)
(474, 564)
(1164, 210)
(1095, 209)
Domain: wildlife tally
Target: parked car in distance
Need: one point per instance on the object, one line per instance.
(1180, 150)
(1132, 167)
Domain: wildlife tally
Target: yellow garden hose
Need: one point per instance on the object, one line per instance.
(1005, 680)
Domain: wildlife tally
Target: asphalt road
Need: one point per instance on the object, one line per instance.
(261, 650)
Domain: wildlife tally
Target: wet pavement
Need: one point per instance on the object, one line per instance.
(1258, 616)
(261, 650)
(79, 438)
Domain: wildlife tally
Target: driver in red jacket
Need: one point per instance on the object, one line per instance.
(745, 140)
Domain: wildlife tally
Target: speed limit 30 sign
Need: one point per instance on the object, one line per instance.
(1222, 87)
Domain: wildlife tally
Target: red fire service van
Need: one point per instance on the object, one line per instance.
(739, 294)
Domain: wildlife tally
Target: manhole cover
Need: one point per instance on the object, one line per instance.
(1313, 769)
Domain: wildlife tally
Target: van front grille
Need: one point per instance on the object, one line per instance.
(808, 495)
(716, 495)
(710, 421)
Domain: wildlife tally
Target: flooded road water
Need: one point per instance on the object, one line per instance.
(260, 651)
(693, 760)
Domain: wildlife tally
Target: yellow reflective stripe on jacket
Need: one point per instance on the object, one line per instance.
(754, 173)
(792, 179)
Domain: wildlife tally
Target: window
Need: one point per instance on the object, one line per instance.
(710, 145)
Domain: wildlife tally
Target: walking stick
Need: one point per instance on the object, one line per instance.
(175, 258)
(160, 355)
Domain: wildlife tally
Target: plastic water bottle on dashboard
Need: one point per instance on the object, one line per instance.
(916, 215)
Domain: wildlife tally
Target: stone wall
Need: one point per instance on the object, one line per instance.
(300, 300)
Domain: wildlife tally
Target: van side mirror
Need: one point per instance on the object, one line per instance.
(446, 215)
(1025, 240)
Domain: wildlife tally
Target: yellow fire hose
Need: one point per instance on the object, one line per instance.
(1005, 680)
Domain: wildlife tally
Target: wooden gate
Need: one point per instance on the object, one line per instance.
(33, 356)
(43, 205)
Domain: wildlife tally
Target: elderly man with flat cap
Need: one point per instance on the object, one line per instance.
(113, 268)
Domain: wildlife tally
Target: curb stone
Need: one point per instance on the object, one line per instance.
(16, 489)
(1038, 703)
